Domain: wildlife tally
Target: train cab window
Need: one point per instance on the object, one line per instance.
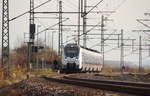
(71, 51)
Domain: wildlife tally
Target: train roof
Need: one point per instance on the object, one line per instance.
(90, 49)
(83, 47)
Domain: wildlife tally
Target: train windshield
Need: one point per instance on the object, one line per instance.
(71, 51)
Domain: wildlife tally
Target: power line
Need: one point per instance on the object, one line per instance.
(29, 10)
(51, 26)
(97, 23)
(143, 23)
(94, 7)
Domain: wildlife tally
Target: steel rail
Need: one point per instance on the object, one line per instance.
(136, 84)
(125, 87)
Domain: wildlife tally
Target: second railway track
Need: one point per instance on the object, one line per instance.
(141, 89)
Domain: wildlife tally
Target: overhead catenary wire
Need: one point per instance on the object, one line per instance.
(144, 25)
(41, 23)
(51, 26)
(97, 23)
(82, 33)
(104, 40)
(94, 7)
(29, 10)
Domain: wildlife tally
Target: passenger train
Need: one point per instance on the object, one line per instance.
(76, 58)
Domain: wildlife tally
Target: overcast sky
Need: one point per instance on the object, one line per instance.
(127, 11)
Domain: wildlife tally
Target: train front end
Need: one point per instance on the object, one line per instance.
(70, 58)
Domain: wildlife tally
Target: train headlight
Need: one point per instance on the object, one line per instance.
(65, 62)
(76, 61)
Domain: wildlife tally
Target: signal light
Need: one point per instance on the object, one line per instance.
(32, 31)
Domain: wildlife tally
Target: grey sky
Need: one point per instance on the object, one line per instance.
(124, 18)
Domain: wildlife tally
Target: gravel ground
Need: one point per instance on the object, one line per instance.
(41, 87)
(123, 77)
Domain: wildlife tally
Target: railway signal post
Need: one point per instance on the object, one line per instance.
(31, 35)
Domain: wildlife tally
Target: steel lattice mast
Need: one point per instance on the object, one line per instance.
(5, 36)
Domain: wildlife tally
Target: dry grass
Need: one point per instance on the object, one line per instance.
(107, 69)
(4, 83)
(18, 75)
(42, 72)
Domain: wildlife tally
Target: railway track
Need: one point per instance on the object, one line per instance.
(141, 89)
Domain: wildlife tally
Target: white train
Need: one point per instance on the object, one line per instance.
(76, 58)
